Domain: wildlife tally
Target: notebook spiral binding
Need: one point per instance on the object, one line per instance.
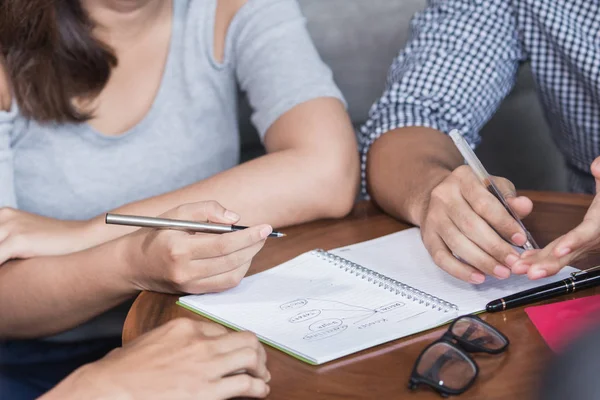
(387, 283)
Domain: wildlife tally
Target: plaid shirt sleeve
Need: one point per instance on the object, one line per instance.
(460, 62)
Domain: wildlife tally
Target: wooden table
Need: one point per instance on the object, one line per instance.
(382, 372)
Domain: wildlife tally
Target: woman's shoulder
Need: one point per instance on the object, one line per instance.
(5, 95)
(228, 19)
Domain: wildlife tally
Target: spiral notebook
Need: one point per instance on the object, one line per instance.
(323, 305)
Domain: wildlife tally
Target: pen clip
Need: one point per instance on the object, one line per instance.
(585, 271)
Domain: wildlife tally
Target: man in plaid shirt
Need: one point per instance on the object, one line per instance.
(459, 65)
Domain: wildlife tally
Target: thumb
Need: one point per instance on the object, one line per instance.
(585, 233)
(203, 211)
(522, 205)
(582, 236)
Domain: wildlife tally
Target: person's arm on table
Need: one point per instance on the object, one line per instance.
(182, 359)
(46, 295)
(310, 172)
(311, 167)
(447, 78)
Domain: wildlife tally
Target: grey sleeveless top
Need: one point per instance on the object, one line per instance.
(189, 134)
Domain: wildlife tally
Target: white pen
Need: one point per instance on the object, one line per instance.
(488, 182)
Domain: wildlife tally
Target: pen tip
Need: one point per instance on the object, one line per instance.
(282, 234)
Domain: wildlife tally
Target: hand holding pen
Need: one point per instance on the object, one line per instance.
(487, 181)
(170, 258)
(468, 231)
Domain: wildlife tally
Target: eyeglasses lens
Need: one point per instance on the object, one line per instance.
(477, 333)
(444, 365)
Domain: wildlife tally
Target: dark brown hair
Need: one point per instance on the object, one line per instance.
(51, 57)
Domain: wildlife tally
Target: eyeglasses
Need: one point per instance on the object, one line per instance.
(446, 366)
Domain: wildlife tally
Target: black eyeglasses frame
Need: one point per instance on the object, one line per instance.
(462, 346)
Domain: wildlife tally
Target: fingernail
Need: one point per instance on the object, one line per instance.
(268, 389)
(501, 272)
(268, 376)
(266, 231)
(563, 251)
(520, 268)
(230, 215)
(511, 259)
(538, 273)
(519, 239)
(477, 278)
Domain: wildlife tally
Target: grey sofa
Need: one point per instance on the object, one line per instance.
(358, 39)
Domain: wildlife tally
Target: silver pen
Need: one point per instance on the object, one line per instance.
(150, 222)
(488, 182)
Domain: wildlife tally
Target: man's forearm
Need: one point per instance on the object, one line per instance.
(403, 167)
(47, 295)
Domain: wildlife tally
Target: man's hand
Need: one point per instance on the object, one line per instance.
(26, 235)
(569, 247)
(467, 230)
(183, 359)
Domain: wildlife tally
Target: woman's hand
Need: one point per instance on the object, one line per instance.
(182, 359)
(569, 247)
(467, 230)
(173, 261)
(26, 235)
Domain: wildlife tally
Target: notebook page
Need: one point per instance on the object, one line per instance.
(314, 309)
(403, 256)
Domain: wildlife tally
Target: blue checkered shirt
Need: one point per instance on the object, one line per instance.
(462, 60)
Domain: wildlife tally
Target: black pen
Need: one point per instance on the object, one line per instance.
(149, 222)
(579, 280)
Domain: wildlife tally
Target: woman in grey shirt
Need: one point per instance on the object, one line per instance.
(113, 105)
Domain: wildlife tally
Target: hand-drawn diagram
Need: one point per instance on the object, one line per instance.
(326, 318)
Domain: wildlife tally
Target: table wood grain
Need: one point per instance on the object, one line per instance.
(383, 371)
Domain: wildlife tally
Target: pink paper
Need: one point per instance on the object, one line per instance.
(560, 323)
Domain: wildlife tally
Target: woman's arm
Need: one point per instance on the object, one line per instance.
(310, 172)
(46, 295)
